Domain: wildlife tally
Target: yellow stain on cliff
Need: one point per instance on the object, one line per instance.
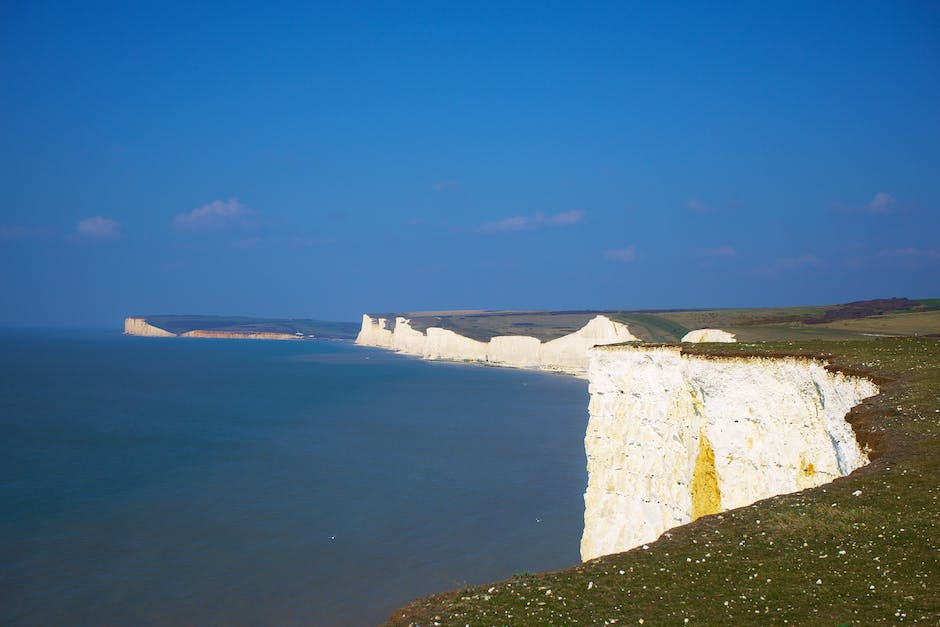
(706, 497)
(807, 469)
(697, 405)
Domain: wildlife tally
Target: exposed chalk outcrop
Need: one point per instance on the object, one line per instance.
(445, 344)
(566, 354)
(234, 335)
(407, 340)
(139, 326)
(514, 351)
(708, 335)
(570, 353)
(673, 437)
(375, 332)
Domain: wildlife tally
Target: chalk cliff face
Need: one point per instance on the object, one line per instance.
(570, 353)
(565, 354)
(708, 335)
(230, 335)
(445, 344)
(407, 340)
(374, 333)
(139, 326)
(514, 351)
(673, 437)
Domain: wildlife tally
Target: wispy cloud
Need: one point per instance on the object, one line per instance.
(883, 202)
(622, 255)
(536, 221)
(911, 253)
(216, 214)
(697, 206)
(98, 227)
(443, 184)
(575, 216)
(793, 263)
(23, 232)
(719, 252)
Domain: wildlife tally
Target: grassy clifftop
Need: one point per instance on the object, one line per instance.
(321, 329)
(859, 320)
(864, 549)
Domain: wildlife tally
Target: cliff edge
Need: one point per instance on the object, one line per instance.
(568, 354)
(673, 437)
(139, 326)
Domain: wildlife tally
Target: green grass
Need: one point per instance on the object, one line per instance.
(319, 328)
(652, 327)
(822, 556)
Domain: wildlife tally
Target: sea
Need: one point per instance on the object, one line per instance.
(155, 481)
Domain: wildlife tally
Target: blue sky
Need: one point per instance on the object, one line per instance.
(311, 160)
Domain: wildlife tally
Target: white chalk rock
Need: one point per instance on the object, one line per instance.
(139, 326)
(570, 352)
(708, 335)
(374, 332)
(673, 437)
(407, 340)
(565, 354)
(445, 344)
(514, 351)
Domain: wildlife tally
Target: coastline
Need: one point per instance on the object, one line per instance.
(807, 546)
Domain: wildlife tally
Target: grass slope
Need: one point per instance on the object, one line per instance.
(319, 328)
(821, 556)
(859, 320)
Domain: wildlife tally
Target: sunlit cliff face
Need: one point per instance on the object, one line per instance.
(566, 354)
(674, 437)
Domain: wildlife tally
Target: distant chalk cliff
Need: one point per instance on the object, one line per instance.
(565, 354)
(139, 326)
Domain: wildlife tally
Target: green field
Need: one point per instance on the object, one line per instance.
(318, 328)
(862, 550)
(859, 320)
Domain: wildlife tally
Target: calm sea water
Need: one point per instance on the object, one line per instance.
(153, 481)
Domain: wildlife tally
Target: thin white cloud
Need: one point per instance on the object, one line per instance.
(719, 252)
(911, 253)
(216, 214)
(793, 263)
(98, 227)
(443, 184)
(622, 255)
(515, 223)
(883, 202)
(575, 216)
(536, 221)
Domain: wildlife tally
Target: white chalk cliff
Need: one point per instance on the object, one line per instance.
(566, 354)
(708, 335)
(139, 326)
(672, 437)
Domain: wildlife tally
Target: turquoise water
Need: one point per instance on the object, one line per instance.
(155, 481)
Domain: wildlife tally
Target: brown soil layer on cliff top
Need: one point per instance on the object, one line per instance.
(864, 549)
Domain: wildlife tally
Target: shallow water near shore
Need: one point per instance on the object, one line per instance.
(168, 481)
